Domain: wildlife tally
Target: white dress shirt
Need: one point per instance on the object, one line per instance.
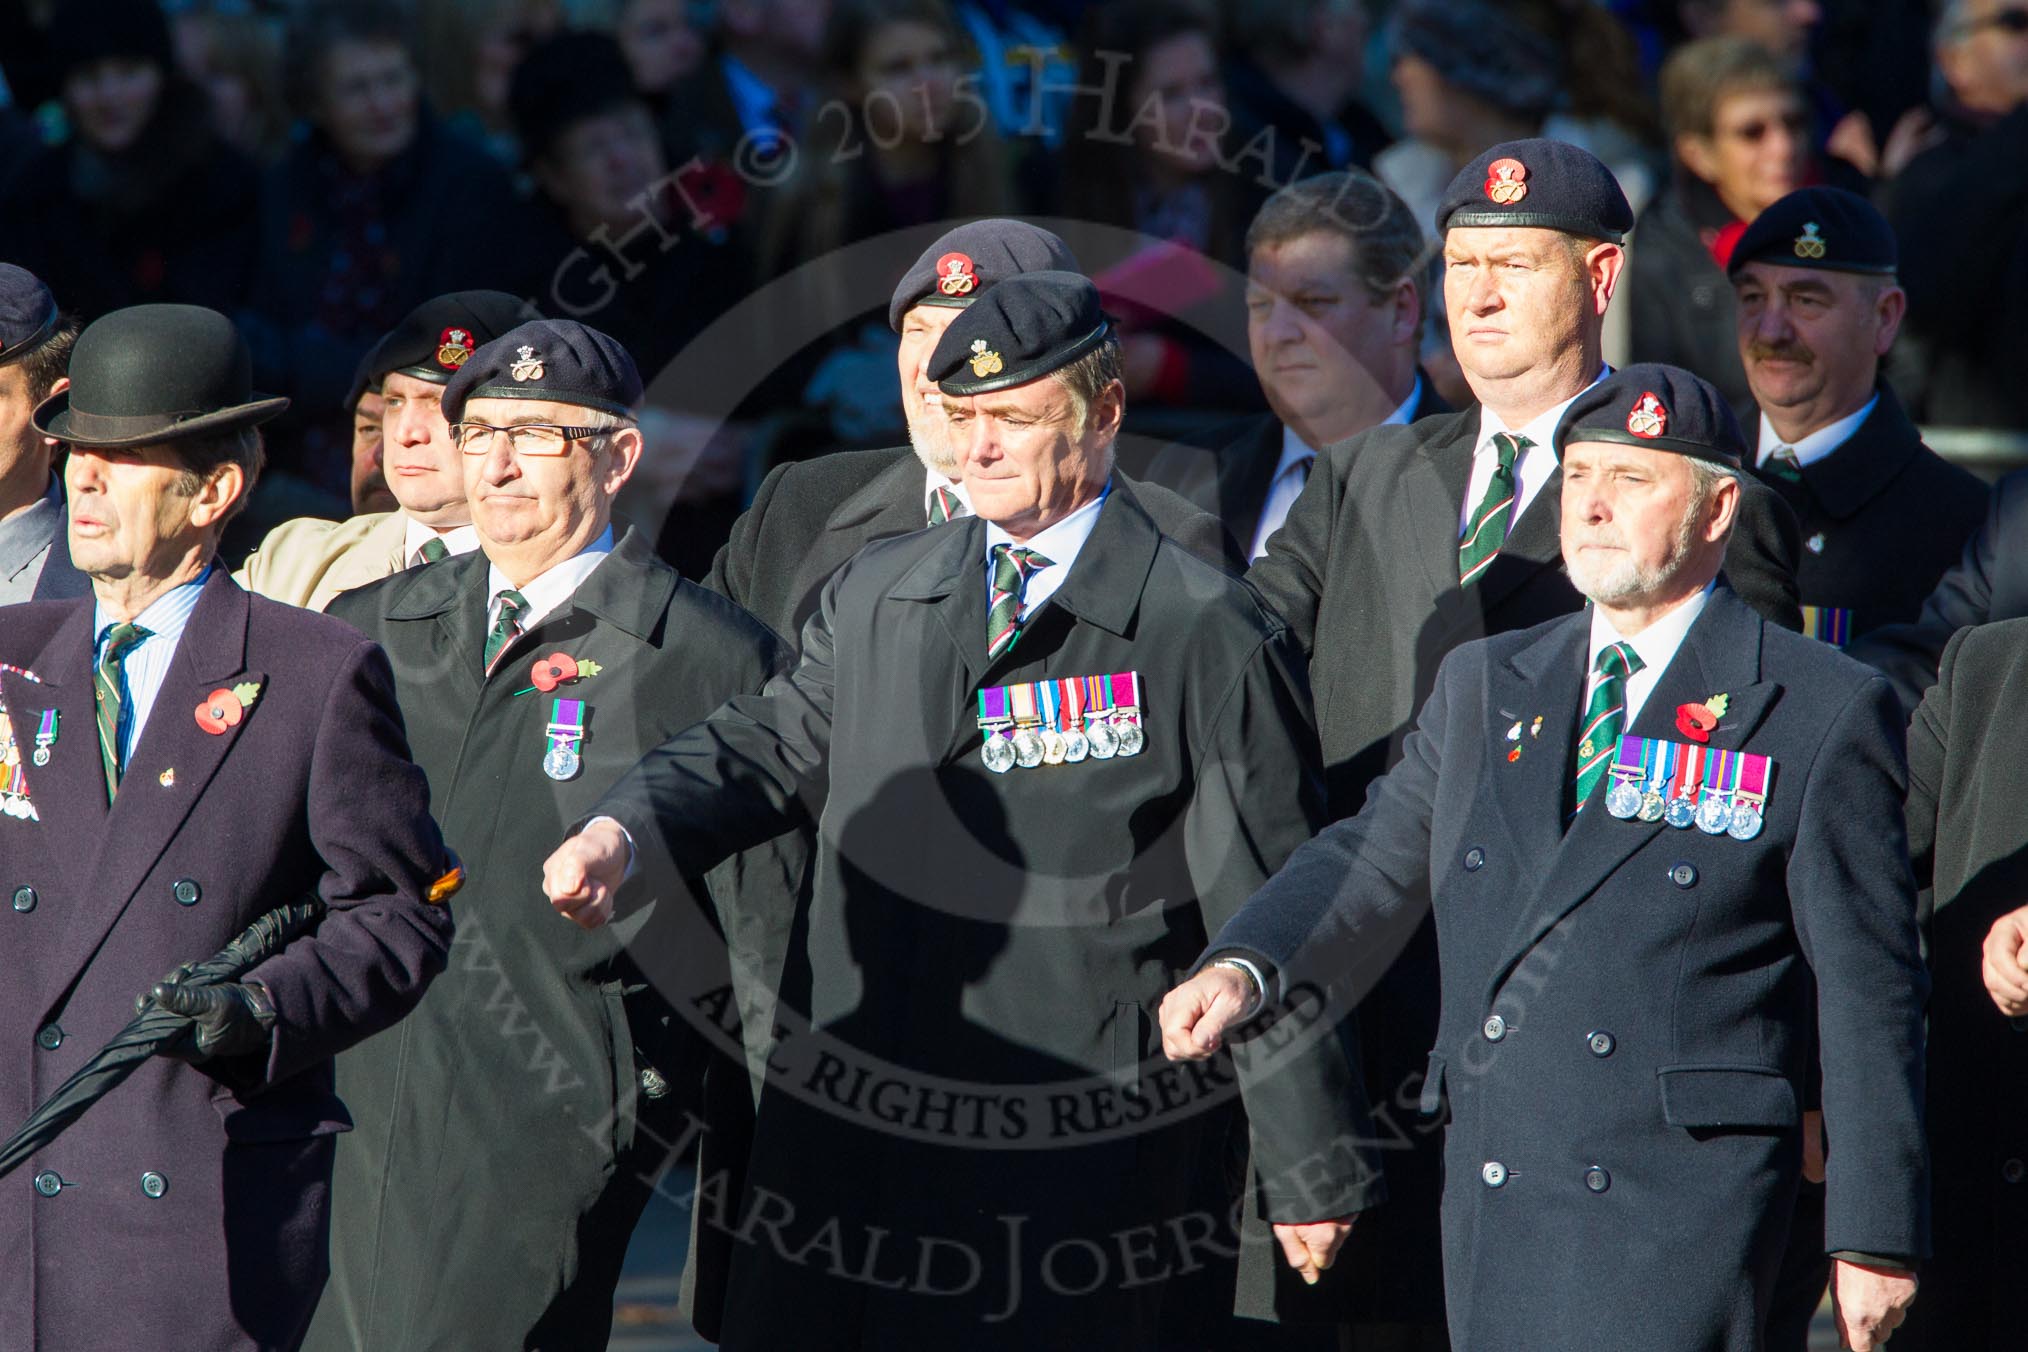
(547, 591)
(1656, 646)
(146, 665)
(1292, 472)
(932, 481)
(1817, 444)
(1059, 544)
(1531, 470)
(458, 539)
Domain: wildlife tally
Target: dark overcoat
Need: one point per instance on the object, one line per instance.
(505, 1147)
(1882, 517)
(1969, 840)
(189, 1208)
(979, 1121)
(1365, 572)
(1627, 1009)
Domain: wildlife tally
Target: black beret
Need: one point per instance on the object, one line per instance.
(439, 336)
(1021, 330)
(557, 359)
(964, 262)
(564, 80)
(1825, 228)
(1663, 407)
(27, 313)
(1552, 185)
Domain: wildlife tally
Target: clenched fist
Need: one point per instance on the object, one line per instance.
(2006, 963)
(585, 872)
(1197, 1013)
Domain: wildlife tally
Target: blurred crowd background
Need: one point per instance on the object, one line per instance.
(732, 187)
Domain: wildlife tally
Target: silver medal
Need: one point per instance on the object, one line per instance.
(1623, 800)
(1105, 740)
(561, 761)
(1651, 806)
(1076, 746)
(998, 753)
(1745, 823)
(1028, 748)
(1132, 739)
(1053, 748)
(1680, 813)
(1714, 814)
(42, 755)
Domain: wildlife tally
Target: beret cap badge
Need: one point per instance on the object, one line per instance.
(985, 362)
(527, 366)
(956, 275)
(1506, 181)
(454, 345)
(1810, 244)
(1648, 418)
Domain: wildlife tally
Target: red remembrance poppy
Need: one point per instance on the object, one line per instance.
(219, 711)
(551, 671)
(1695, 721)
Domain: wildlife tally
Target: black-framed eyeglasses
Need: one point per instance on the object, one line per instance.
(476, 438)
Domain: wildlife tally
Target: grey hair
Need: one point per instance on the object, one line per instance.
(1705, 477)
(1085, 379)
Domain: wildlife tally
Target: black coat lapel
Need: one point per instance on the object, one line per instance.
(71, 789)
(1438, 479)
(1870, 460)
(951, 579)
(1246, 470)
(1543, 681)
(451, 596)
(1534, 542)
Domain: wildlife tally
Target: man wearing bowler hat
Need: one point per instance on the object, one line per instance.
(179, 758)
(1665, 846)
(309, 561)
(35, 344)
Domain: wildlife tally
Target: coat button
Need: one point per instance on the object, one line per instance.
(2014, 1171)
(49, 1183)
(1475, 859)
(186, 891)
(49, 1037)
(24, 899)
(1684, 875)
(1496, 1028)
(1601, 1043)
(153, 1184)
(1494, 1173)
(1597, 1179)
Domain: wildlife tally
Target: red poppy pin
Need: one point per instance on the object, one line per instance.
(1648, 418)
(559, 669)
(955, 276)
(1696, 721)
(453, 347)
(224, 707)
(1506, 181)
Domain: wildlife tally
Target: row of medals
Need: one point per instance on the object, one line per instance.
(1102, 739)
(1716, 815)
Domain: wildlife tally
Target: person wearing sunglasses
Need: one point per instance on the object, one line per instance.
(508, 1137)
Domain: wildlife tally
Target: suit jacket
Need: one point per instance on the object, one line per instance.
(35, 555)
(1989, 582)
(535, 1041)
(1882, 517)
(310, 561)
(810, 516)
(1007, 938)
(313, 789)
(1970, 845)
(1232, 482)
(1627, 1009)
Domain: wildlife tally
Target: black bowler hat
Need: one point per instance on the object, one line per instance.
(964, 262)
(27, 313)
(1552, 185)
(156, 373)
(1662, 407)
(1826, 228)
(1022, 329)
(440, 335)
(557, 359)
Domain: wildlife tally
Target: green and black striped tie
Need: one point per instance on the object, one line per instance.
(109, 683)
(1605, 714)
(1012, 567)
(505, 630)
(1487, 530)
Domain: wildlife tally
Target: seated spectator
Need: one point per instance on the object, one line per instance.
(1961, 212)
(661, 45)
(1295, 76)
(468, 50)
(236, 56)
(1739, 130)
(377, 208)
(143, 202)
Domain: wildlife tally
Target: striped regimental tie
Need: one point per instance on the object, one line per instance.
(433, 550)
(946, 505)
(1487, 530)
(109, 684)
(1012, 567)
(1605, 714)
(504, 630)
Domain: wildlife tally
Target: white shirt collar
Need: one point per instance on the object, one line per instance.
(1817, 444)
(932, 481)
(548, 591)
(1404, 412)
(1060, 544)
(1656, 645)
(459, 539)
(1541, 429)
(1294, 451)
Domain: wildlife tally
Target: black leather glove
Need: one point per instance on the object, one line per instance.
(229, 1019)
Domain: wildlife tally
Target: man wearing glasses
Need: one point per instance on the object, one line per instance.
(507, 1136)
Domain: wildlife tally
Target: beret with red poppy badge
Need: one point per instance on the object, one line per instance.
(1662, 407)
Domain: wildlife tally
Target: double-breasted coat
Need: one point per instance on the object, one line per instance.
(1969, 841)
(506, 1140)
(189, 1207)
(976, 1142)
(1627, 1008)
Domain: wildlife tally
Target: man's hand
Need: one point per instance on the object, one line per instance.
(1813, 1145)
(583, 874)
(227, 1019)
(2006, 963)
(1871, 1303)
(1196, 1014)
(1311, 1247)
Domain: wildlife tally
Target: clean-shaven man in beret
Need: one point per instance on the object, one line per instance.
(808, 517)
(35, 344)
(1046, 750)
(510, 1130)
(308, 561)
(1408, 541)
(179, 758)
(1664, 841)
